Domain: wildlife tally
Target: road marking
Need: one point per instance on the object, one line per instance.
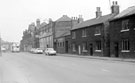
(105, 70)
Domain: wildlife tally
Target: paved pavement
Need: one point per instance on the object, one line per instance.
(99, 58)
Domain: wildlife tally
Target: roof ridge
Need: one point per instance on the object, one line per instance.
(93, 21)
(64, 18)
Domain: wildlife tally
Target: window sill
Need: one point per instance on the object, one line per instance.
(84, 51)
(125, 51)
(124, 30)
(84, 36)
(98, 51)
(74, 50)
(97, 34)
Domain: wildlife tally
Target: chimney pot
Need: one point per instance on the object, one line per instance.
(98, 12)
(98, 8)
(113, 3)
(115, 7)
(80, 16)
(80, 19)
(116, 3)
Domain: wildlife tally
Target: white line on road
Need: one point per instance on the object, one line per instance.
(105, 70)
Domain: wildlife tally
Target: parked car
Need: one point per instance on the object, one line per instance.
(50, 51)
(3, 49)
(38, 51)
(32, 50)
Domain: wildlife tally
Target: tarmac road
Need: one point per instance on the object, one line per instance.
(38, 68)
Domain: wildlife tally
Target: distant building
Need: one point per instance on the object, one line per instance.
(30, 37)
(6, 45)
(63, 26)
(46, 35)
(51, 33)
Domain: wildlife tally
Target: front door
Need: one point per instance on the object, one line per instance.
(66, 46)
(91, 49)
(79, 49)
(116, 49)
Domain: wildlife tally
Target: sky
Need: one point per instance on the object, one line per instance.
(16, 15)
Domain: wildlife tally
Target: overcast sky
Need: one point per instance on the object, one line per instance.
(16, 15)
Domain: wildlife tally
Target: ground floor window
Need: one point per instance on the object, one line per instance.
(73, 48)
(60, 44)
(98, 46)
(84, 46)
(125, 45)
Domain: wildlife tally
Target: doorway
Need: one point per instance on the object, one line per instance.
(66, 46)
(91, 49)
(79, 49)
(116, 49)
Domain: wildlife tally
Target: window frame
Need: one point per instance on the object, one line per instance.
(97, 30)
(84, 47)
(84, 33)
(125, 25)
(125, 45)
(73, 47)
(73, 35)
(98, 46)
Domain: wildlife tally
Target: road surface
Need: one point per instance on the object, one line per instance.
(38, 68)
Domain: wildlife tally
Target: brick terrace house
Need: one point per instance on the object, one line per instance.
(122, 34)
(91, 37)
(63, 43)
(62, 25)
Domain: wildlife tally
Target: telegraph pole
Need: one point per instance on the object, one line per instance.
(0, 46)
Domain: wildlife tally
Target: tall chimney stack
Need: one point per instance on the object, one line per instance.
(115, 8)
(38, 23)
(98, 12)
(80, 19)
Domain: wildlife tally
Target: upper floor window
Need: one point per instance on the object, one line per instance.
(50, 29)
(84, 33)
(73, 35)
(97, 31)
(125, 45)
(125, 25)
(46, 30)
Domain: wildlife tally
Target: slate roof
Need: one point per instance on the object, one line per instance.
(93, 21)
(64, 18)
(67, 33)
(127, 12)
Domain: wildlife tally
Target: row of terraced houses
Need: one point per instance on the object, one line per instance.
(111, 35)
